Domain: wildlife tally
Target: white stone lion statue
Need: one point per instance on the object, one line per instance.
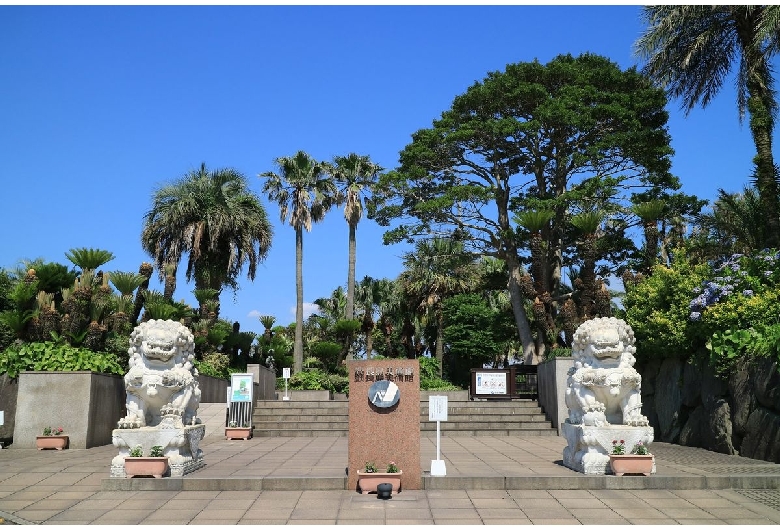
(603, 386)
(162, 385)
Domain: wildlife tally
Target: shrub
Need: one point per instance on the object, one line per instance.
(52, 357)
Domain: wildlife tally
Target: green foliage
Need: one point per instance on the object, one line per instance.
(326, 352)
(52, 356)
(429, 376)
(475, 334)
(657, 309)
(89, 258)
(316, 379)
(157, 451)
(137, 451)
(552, 353)
(214, 364)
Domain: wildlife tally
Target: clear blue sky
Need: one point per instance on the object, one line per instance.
(100, 105)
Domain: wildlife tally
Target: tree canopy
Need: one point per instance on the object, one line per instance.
(577, 134)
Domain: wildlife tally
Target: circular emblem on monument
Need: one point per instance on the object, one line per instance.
(383, 394)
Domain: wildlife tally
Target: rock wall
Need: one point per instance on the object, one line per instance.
(688, 404)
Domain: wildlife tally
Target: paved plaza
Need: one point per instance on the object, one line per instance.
(301, 480)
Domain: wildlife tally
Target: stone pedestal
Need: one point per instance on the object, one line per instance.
(179, 445)
(588, 447)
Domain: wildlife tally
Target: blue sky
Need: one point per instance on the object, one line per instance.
(101, 104)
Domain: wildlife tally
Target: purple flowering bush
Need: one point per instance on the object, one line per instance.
(726, 311)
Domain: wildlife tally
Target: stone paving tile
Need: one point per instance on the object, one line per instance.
(460, 521)
(197, 495)
(730, 513)
(500, 512)
(556, 521)
(312, 522)
(494, 503)
(14, 506)
(577, 502)
(313, 514)
(701, 521)
(414, 522)
(177, 514)
(38, 515)
(505, 522)
(229, 504)
(686, 513)
(588, 521)
(123, 516)
(644, 513)
(538, 503)
(274, 522)
(595, 513)
(78, 515)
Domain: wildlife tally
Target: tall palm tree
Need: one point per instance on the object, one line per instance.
(304, 193)
(356, 176)
(691, 49)
(215, 219)
(437, 269)
(736, 223)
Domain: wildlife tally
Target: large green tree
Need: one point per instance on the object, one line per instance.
(215, 219)
(356, 177)
(575, 134)
(304, 193)
(692, 49)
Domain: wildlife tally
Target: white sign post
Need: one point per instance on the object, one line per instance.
(437, 411)
(286, 375)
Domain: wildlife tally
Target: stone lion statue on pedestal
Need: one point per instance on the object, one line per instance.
(162, 385)
(603, 386)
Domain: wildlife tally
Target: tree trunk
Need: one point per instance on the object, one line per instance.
(440, 338)
(351, 274)
(521, 318)
(766, 178)
(298, 345)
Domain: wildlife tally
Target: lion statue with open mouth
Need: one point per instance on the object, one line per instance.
(162, 385)
(604, 388)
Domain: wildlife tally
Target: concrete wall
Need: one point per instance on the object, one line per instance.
(552, 378)
(9, 390)
(86, 405)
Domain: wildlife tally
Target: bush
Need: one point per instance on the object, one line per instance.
(214, 364)
(52, 357)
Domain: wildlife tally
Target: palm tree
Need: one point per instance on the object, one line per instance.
(356, 176)
(437, 269)
(736, 223)
(304, 194)
(89, 258)
(215, 219)
(690, 50)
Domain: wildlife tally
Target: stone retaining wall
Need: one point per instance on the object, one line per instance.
(688, 404)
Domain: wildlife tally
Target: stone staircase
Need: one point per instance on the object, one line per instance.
(465, 418)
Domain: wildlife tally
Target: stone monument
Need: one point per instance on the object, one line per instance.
(384, 418)
(603, 396)
(162, 398)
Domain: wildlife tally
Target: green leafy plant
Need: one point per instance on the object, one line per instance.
(137, 451)
(52, 356)
(392, 467)
(639, 449)
(52, 431)
(370, 467)
(156, 451)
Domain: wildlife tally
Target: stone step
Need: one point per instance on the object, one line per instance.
(465, 418)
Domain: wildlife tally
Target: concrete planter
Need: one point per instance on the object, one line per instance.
(368, 482)
(58, 442)
(232, 433)
(631, 464)
(146, 466)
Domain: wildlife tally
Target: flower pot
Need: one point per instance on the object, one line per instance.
(231, 433)
(636, 464)
(368, 482)
(146, 466)
(58, 442)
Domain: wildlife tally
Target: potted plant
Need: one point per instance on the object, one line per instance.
(154, 465)
(53, 438)
(638, 461)
(234, 431)
(370, 477)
